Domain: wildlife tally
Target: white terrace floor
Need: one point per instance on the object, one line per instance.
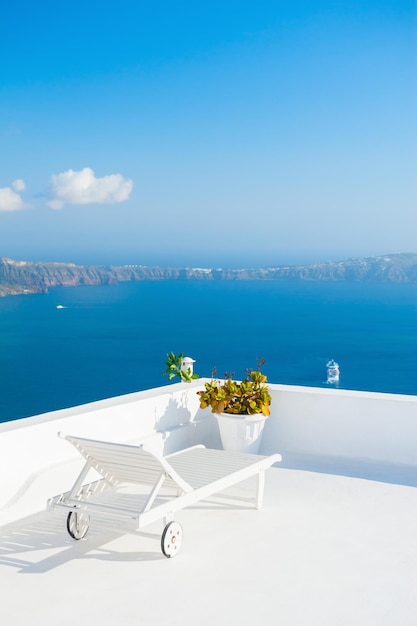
(324, 550)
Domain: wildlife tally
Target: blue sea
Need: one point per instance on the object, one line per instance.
(108, 341)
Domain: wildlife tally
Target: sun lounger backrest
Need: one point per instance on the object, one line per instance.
(126, 463)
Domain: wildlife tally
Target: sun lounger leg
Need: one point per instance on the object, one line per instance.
(261, 486)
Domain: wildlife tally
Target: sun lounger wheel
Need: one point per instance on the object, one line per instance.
(78, 524)
(171, 539)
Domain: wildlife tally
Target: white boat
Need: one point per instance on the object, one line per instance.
(333, 371)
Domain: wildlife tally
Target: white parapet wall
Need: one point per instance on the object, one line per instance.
(353, 426)
(314, 423)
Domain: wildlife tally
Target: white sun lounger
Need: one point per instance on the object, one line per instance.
(194, 474)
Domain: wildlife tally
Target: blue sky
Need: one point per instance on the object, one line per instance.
(225, 133)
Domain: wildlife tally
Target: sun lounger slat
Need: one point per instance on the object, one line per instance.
(202, 469)
(122, 463)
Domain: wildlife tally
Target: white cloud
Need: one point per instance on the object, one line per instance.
(84, 188)
(10, 200)
(19, 184)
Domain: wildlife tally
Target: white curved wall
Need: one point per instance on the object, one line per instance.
(305, 422)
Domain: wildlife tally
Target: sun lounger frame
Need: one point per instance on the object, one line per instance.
(190, 475)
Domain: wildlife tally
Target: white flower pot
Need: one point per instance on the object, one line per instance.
(241, 433)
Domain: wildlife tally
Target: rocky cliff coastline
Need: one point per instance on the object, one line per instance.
(17, 277)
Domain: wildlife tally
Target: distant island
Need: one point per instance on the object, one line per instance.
(17, 277)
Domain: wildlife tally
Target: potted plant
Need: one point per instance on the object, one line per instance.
(180, 366)
(241, 408)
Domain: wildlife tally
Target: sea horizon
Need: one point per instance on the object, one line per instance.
(80, 344)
